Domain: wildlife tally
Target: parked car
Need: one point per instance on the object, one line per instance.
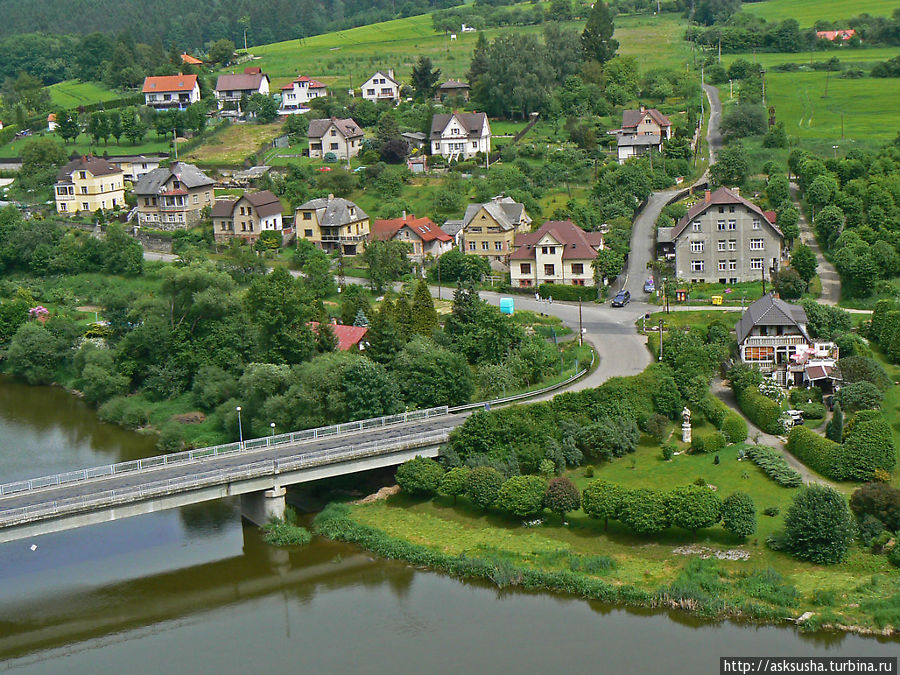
(649, 285)
(622, 298)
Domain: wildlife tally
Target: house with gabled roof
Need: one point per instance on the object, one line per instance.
(340, 137)
(88, 183)
(460, 135)
(424, 237)
(170, 91)
(490, 229)
(332, 223)
(247, 217)
(297, 94)
(451, 89)
(189, 60)
(838, 36)
(173, 197)
(232, 87)
(381, 87)
(723, 238)
(559, 252)
(348, 337)
(646, 122)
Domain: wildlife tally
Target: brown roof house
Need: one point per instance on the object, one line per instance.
(490, 229)
(231, 88)
(559, 252)
(460, 135)
(340, 137)
(424, 237)
(247, 217)
(333, 223)
(642, 131)
(88, 183)
(723, 238)
(451, 89)
(173, 197)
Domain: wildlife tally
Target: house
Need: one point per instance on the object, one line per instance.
(836, 35)
(189, 60)
(772, 335)
(171, 91)
(348, 337)
(451, 89)
(231, 88)
(559, 252)
(646, 122)
(332, 223)
(340, 137)
(415, 139)
(425, 238)
(381, 87)
(722, 238)
(297, 94)
(628, 146)
(247, 217)
(417, 163)
(51, 122)
(490, 229)
(460, 135)
(135, 166)
(172, 197)
(88, 183)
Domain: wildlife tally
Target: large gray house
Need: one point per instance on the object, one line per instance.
(724, 239)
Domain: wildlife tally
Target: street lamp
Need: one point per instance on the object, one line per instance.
(273, 429)
(835, 148)
(240, 430)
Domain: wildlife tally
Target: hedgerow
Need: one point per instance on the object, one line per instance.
(775, 466)
(761, 410)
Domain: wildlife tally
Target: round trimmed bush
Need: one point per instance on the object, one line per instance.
(735, 428)
(602, 500)
(562, 496)
(819, 526)
(419, 477)
(453, 483)
(483, 485)
(692, 507)
(645, 511)
(521, 495)
(739, 514)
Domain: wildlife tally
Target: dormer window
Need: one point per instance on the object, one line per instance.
(176, 185)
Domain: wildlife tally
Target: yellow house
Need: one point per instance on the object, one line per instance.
(332, 222)
(490, 229)
(89, 183)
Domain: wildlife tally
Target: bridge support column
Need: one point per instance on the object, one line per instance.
(261, 507)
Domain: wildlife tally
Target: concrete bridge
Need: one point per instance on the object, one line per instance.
(258, 470)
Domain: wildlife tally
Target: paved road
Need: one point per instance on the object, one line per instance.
(828, 275)
(713, 131)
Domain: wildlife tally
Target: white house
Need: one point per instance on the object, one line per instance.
(171, 91)
(381, 87)
(343, 138)
(231, 87)
(297, 94)
(460, 135)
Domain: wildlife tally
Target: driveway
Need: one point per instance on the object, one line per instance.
(828, 275)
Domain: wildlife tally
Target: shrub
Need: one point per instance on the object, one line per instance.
(562, 496)
(692, 507)
(644, 511)
(170, 438)
(761, 410)
(880, 501)
(812, 411)
(735, 428)
(521, 495)
(859, 396)
(127, 411)
(894, 556)
(713, 410)
(805, 395)
(868, 446)
(775, 466)
(602, 500)
(816, 452)
(608, 438)
(453, 483)
(708, 443)
(862, 369)
(657, 426)
(483, 485)
(589, 471)
(668, 451)
(819, 526)
(739, 514)
(286, 532)
(771, 511)
(419, 477)
(568, 293)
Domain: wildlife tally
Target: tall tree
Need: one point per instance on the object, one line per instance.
(804, 261)
(98, 126)
(115, 124)
(597, 38)
(424, 78)
(279, 307)
(67, 126)
(384, 335)
(424, 315)
(479, 65)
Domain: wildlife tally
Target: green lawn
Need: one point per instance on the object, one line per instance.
(807, 12)
(84, 145)
(72, 93)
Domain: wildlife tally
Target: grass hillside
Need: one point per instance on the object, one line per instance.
(807, 12)
(72, 93)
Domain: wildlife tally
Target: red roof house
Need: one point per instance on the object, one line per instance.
(425, 237)
(348, 337)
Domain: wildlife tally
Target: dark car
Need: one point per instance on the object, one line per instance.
(622, 298)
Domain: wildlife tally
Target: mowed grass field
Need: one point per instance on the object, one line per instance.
(233, 145)
(84, 145)
(351, 56)
(807, 12)
(72, 93)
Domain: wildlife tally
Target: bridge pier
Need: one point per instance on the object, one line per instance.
(262, 506)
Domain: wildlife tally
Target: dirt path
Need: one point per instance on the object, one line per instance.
(828, 275)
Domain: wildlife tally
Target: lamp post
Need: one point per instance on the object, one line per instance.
(273, 430)
(240, 429)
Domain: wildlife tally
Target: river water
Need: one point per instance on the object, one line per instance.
(194, 590)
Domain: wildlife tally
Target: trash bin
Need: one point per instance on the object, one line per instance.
(507, 305)
(717, 299)
(681, 295)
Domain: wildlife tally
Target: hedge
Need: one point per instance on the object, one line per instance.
(868, 445)
(775, 466)
(816, 452)
(735, 428)
(568, 293)
(761, 410)
(713, 410)
(708, 442)
(812, 411)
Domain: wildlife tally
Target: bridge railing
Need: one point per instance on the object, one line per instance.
(194, 481)
(250, 445)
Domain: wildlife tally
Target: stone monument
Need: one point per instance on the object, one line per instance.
(686, 425)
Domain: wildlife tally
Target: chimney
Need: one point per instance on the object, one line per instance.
(404, 214)
(391, 73)
(643, 109)
(736, 190)
(330, 196)
(707, 197)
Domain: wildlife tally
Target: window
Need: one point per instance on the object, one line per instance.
(756, 264)
(696, 247)
(732, 265)
(85, 206)
(757, 244)
(732, 245)
(307, 215)
(307, 233)
(498, 245)
(722, 245)
(759, 353)
(732, 224)
(696, 226)
(756, 224)
(83, 190)
(471, 245)
(196, 199)
(62, 207)
(334, 132)
(578, 282)
(334, 146)
(721, 209)
(720, 225)
(723, 265)
(731, 209)
(484, 246)
(82, 175)
(370, 92)
(577, 268)
(549, 270)
(242, 211)
(525, 268)
(696, 265)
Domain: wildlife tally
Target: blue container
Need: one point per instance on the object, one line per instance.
(506, 305)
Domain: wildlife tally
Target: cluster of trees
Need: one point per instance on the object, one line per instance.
(885, 328)
(818, 526)
(877, 510)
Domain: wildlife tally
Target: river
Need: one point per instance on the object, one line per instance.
(194, 590)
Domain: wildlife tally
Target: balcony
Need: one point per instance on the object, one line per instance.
(344, 239)
(65, 198)
(172, 207)
(775, 341)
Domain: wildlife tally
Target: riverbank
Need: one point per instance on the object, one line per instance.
(710, 575)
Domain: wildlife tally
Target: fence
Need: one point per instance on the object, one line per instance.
(216, 477)
(217, 451)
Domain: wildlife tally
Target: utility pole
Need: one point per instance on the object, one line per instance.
(764, 86)
(175, 142)
(720, 49)
(580, 329)
(245, 39)
(439, 277)
(763, 275)
(660, 340)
